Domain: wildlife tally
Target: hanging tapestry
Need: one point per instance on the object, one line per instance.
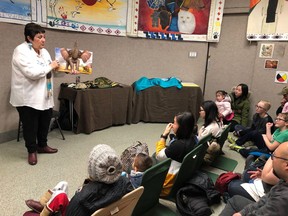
(184, 20)
(15, 11)
(268, 20)
(90, 16)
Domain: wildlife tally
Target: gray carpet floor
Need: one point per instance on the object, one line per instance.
(20, 181)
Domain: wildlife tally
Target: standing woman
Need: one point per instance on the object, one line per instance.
(31, 90)
(240, 105)
(212, 123)
(182, 141)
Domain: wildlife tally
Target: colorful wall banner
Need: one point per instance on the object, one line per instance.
(191, 20)
(268, 20)
(89, 16)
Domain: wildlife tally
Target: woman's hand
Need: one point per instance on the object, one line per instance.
(54, 64)
(255, 174)
(167, 129)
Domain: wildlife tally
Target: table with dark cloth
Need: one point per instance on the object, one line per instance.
(96, 109)
(157, 104)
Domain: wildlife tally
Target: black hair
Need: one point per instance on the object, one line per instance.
(222, 92)
(211, 112)
(245, 90)
(186, 123)
(32, 29)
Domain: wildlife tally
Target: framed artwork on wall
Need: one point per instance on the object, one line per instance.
(266, 50)
(281, 77)
(271, 64)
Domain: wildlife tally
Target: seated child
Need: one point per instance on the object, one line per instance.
(267, 143)
(141, 163)
(104, 186)
(223, 102)
(260, 118)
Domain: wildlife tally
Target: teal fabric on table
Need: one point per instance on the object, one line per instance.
(144, 83)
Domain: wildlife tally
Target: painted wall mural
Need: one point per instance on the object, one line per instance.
(268, 20)
(191, 20)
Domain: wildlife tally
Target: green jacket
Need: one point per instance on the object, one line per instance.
(241, 109)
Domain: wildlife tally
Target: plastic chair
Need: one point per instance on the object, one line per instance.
(191, 163)
(122, 207)
(55, 115)
(221, 140)
(152, 181)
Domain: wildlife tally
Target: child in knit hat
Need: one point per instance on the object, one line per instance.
(104, 185)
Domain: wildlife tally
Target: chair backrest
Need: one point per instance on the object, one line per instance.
(203, 141)
(152, 180)
(221, 140)
(191, 163)
(122, 207)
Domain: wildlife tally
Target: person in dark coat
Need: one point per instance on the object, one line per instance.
(104, 186)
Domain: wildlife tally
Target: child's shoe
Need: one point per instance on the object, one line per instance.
(231, 140)
(235, 147)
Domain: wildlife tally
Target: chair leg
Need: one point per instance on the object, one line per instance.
(56, 119)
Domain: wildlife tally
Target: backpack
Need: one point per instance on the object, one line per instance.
(128, 155)
(212, 152)
(224, 179)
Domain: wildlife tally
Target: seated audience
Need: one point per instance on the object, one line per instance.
(267, 143)
(280, 108)
(260, 118)
(182, 141)
(104, 186)
(141, 163)
(284, 100)
(260, 182)
(212, 123)
(240, 105)
(223, 102)
(275, 201)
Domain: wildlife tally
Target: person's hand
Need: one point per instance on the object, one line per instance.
(255, 174)
(269, 125)
(283, 101)
(237, 214)
(220, 115)
(167, 129)
(54, 64)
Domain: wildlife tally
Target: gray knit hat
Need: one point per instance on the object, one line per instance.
(104, 164)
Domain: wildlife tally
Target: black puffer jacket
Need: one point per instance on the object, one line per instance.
(96, 195)
(197, 195)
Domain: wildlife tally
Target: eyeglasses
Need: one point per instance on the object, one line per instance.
(259, 107)
(201, 110)
(273, 156)
(279, 119)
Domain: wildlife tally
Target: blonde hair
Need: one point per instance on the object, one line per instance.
(267, 105)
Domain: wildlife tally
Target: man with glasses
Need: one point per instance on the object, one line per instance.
(273, 203)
